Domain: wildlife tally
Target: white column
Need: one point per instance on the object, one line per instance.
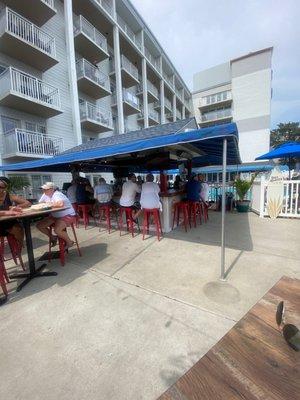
(145, 92)
(174, 107)
(72, 69)
(119, 93)
(162, 102)
(223, 209)
(183, 112)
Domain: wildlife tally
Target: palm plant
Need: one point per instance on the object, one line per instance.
(17, 183)
(243, 186)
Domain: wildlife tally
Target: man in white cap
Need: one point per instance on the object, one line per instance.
(60, 219)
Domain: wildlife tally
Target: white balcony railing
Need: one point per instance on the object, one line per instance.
(106, 5)
(150, 87)
(153, 61)
(168, 79)
(129, 32)
(84, 26)
(50, 3)
(168, 104)
(31, 143)
(216, 98)
(215, 115)
(96, 114)
(27, 31)
(178, 93)
(178, 115)
(129, 67)
(29, 87)
(154, 115)
(85, 69)
(131, 98)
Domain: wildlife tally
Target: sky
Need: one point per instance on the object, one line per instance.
(199, 34)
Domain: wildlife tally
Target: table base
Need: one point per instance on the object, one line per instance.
(29, 276)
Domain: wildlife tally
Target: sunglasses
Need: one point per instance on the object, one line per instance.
(290, 332)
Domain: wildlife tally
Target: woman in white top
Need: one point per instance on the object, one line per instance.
(149, 195)
(60, 219)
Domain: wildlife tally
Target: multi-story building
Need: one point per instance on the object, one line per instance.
(239, 91)
(75, 70)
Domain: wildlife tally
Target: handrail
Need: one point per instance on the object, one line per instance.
(217, 114)
(30, 87)
(129, 32)
(34, 143)
(152, 60)
(30, 33)
(85, 69)
(49, 3)
(83, 25)
(106, 6)
(95, 113)
(129, 67)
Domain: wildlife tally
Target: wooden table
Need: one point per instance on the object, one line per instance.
(252, 361)
(26, 218)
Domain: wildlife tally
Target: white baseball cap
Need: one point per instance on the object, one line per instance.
(48, 185)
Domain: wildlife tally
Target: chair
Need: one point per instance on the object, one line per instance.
(194, 210)
(148, 212)
(3, 276)
(62, 245)
(129, 220)
(15, 250)
(104, 211)
(181, 207)
(83, 211)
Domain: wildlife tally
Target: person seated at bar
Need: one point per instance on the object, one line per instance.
(129, 191)
(60, 219)
(13, 204)
(71, 192)
(177, 182)
(84, 192)
(103, 192)
(193, 188)
(149, 195)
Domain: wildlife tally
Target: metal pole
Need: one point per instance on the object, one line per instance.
(223, 209)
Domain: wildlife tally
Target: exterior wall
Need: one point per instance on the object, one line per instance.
(249, 80)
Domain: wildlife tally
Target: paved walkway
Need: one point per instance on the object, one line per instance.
(130, 317)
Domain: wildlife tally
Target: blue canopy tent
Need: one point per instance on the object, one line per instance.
(287, 150)
(148, 151)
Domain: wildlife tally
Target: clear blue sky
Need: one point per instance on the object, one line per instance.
(198, 34)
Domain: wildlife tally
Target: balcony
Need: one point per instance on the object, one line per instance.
(221, 115)
(129, 33)
(179, 95)
(131, 103)
(152, 91)
(152, 60)
(168, 105)
(91, 80)
(23, 143)
(26, 93)
(169, 116)
(153, 117)
(21, 39)
(222, 98)
(95, 118)
(169, 81)
(89, 42)
(178, 115)
(130, 73)
(37, 11)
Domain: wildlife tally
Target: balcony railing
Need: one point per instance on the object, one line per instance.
(96, 114)
(154, 115)
(150, 87)
(131, 98)
(106, 5)
(168, 79)
(178, 93)
(31, 143)
(29, 87)
(153, 61)
(84, 26)
(129, 32)
(215, 115)
(216, 98)
(30, 33)
(85, 69)
(50, 3)
(129, 67)
(178, 115)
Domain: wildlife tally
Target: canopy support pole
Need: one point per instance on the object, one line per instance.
(223, 209)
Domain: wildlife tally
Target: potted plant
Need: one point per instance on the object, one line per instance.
(242, 187)
(17, 183)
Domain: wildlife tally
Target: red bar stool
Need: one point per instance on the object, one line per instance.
(83, 213)
(181, 207)
(104, 211)
(15, 249)
(148, 212)
(62, 245)
(194, 210)
(129, 219)
(204, 210)
(3, 276)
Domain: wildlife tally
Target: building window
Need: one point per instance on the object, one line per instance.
(33, 127)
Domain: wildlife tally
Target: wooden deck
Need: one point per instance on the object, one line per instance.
(253, 360)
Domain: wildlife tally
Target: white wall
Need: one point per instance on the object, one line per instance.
(253, 143)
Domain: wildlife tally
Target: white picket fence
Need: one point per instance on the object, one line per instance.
(291, 198)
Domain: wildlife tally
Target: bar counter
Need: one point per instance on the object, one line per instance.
(168, 198)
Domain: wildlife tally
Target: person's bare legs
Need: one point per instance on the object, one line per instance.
(137, 214)
(60, 230)
(18, 232)
(43, 225)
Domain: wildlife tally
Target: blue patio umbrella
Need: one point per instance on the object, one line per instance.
(287, 150)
